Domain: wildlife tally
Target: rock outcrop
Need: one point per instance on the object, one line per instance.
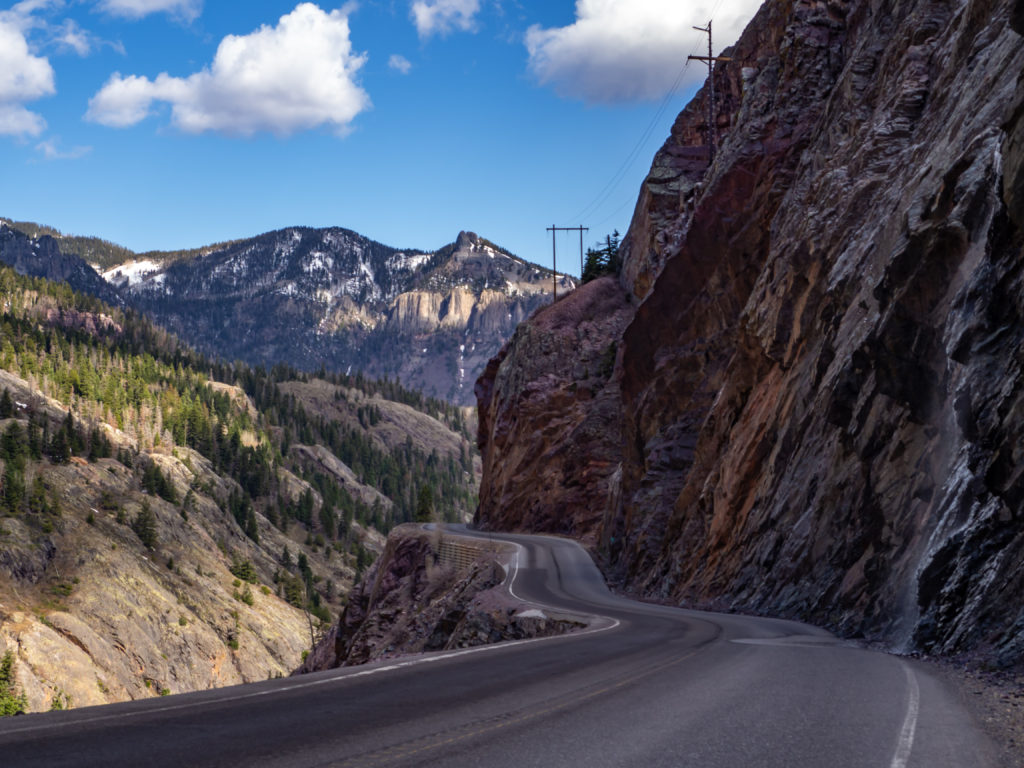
(416, 597)
(549, 411)
(821, 387)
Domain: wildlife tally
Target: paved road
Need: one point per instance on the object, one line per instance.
(646, 686)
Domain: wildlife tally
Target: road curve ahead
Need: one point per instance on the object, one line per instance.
(646, 686)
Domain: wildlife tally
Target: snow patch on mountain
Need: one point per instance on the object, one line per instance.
(131, 273)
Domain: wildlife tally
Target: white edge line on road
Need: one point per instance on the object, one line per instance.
(515, 572)
(906, 742)
(336, 678)
(511, 580)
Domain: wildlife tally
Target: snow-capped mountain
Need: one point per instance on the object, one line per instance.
(332, 298)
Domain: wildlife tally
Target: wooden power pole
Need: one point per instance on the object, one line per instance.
(554, 266)
(710, 59)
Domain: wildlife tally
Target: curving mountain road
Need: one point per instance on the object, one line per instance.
(645, 686)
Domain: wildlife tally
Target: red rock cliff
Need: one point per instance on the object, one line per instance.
(817, 402)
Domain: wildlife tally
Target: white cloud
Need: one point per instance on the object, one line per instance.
(292, 77)
(136, 9)
(442, 16)
(123, 101)
(51, 151)
(631, 50)
(26, 8)
(70, 36)
(15, 120)
(400, 63)
(23, 77)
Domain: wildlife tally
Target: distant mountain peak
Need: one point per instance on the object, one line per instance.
(466, 240)
(317, 298)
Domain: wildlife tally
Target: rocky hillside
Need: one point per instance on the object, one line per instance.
(43, 256)
(315, 299)
(168, 523)
(816, 403)
(431, 591)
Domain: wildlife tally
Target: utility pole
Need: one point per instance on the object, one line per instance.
(552, 229)
(710, 59)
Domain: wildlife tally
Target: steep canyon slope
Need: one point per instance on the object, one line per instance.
(816, 402)
(169, 523)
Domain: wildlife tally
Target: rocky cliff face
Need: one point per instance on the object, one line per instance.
(820, 385)
(550, 421)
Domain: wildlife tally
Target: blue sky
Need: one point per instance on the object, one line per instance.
(164, 124)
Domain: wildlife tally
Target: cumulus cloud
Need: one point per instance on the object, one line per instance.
(400, 63)
(439, 17)
(630, 50)
(136, 9)
(23, 77)
(297, 75)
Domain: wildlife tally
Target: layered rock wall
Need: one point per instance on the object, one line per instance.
(550, 422)
(821, 392)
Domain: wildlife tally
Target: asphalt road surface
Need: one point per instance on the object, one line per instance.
(644, 686)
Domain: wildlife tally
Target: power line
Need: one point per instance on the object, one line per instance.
(616, 179)
(606, 191)
(614, 213)
(554, 264)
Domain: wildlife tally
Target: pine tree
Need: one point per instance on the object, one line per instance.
(13, 495)
(144, 526)
(6, 405)
(425, 504)
(59, 448)
(35, 440)
(328, 520)
(251, 528)
(12, 445)
(37, 503)
(602, 261)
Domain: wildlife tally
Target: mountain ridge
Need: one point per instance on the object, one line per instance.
(326, 298)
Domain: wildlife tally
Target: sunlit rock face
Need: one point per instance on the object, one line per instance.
(820, 391)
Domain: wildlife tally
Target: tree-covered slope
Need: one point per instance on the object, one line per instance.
(141, 481)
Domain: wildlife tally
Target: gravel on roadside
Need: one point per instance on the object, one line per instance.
(996, 699)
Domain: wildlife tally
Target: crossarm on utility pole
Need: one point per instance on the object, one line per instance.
(553, 229)
(710, 59)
